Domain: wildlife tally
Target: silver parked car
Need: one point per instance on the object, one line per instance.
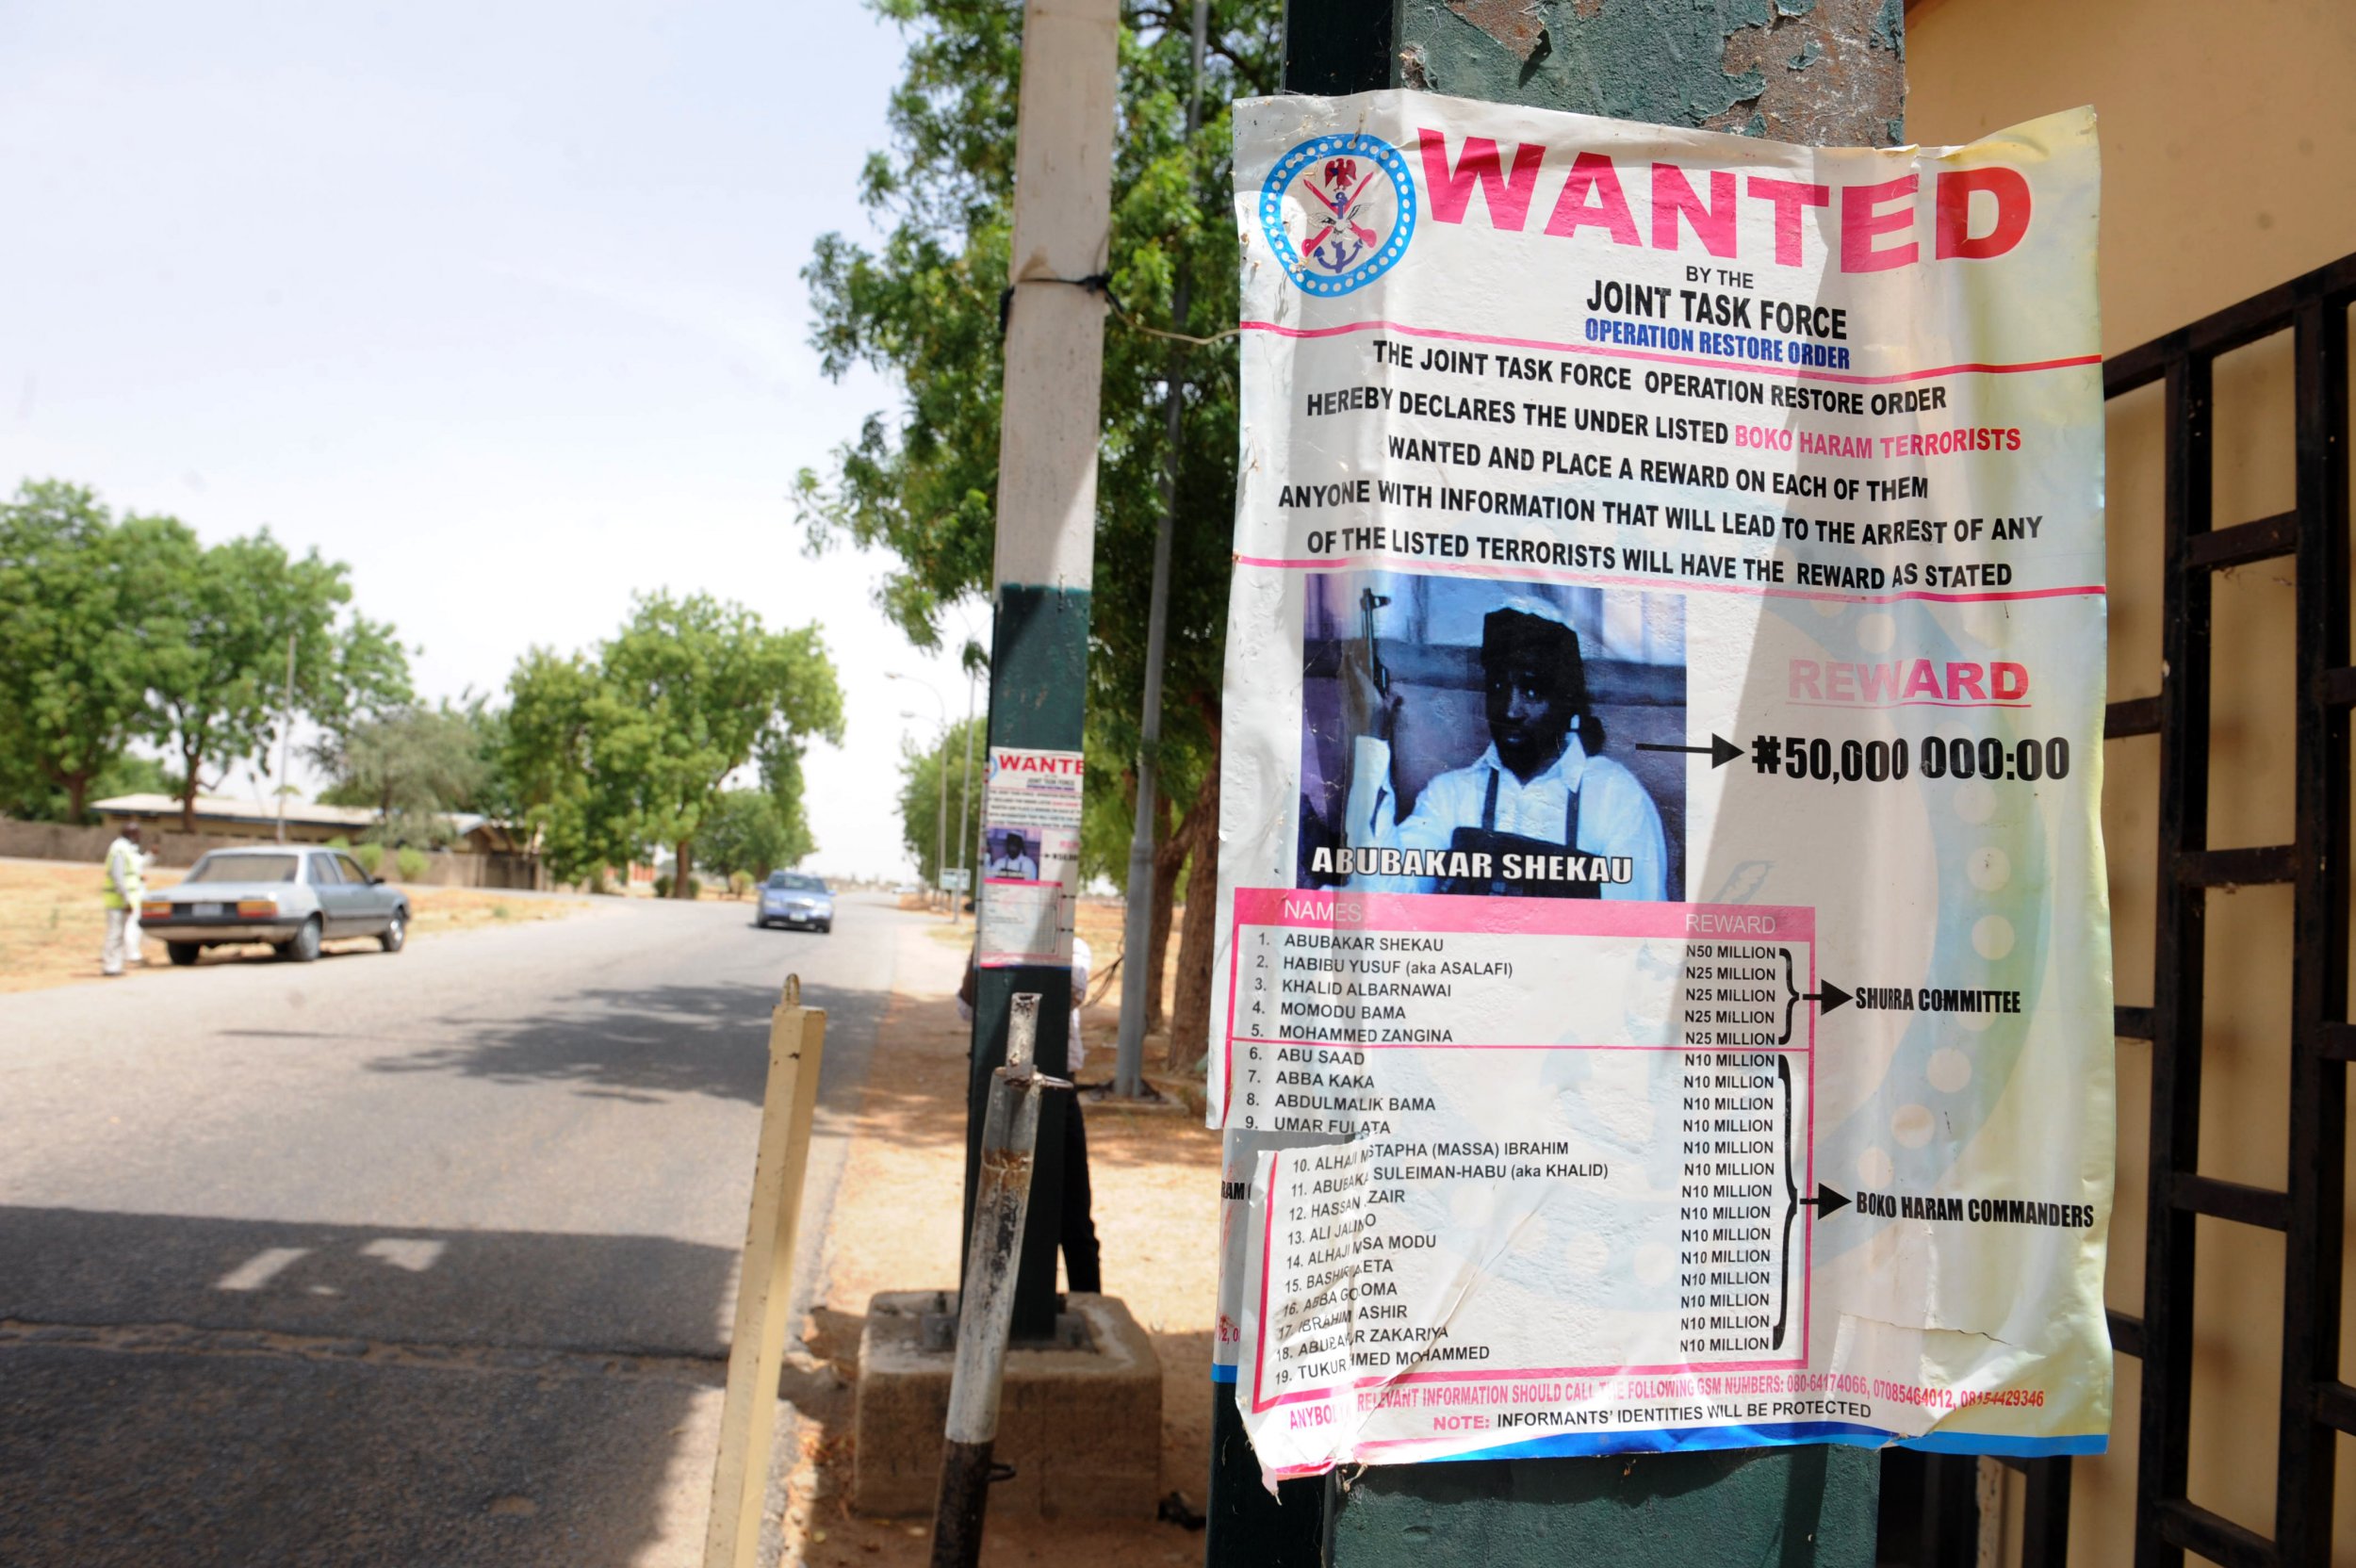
(292, 898)
(796, 898)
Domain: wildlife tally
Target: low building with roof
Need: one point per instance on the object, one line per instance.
(306, 821)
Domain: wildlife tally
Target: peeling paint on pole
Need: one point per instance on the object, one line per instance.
(1829, 72)
(1515, 24)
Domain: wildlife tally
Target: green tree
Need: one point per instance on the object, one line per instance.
(219, 677)
(413, 765)
(1108, 817)
(633, 748)
(922, 774)
(924, 306)
(30, 799)
(744, 832)
(579, 811)
(781, 781)
(84, 605)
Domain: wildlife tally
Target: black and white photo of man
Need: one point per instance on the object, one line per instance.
(1011, 856)
(1540, 813)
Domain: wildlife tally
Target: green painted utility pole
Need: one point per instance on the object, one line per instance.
(1826, 73)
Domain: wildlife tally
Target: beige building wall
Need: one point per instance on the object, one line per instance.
(2229, 153)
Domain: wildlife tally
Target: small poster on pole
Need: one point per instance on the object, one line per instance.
(1663, 990)
(1030, 856)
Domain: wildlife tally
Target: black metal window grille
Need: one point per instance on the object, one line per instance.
(2315, 1404)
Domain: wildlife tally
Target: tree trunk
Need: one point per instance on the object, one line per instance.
(1167, 865)
(683, 873)
(194, 759)
(1169, 855)
(77, 795)
(1190, 1026)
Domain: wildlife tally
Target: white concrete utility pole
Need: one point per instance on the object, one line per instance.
(1054, 357)
(1055, 345)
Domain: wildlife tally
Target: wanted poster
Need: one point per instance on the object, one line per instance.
(1030, 856)
(1663, 983)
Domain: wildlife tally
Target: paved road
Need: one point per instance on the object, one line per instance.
(409, 1260)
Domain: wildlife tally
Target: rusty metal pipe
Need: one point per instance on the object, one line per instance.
(986, 1307)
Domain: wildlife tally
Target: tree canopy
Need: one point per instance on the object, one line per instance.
(219, 677)
(749, 831)
(924, 770)
(629, 747)
(83, 608)
(120, 630)
(924, 306)
(414, 765)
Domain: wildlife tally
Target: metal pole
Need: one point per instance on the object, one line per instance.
(986, 1305)
(1129, 1068)
(941, 830)
(973, 828)
(965, 809)
(286, 734)
(941, 838)
(1042, 572)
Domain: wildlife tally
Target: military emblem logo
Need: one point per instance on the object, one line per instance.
(1338, 211)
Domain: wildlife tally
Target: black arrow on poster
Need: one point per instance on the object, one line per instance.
(1826, 1202)
(1828, 995)
(1720, 751)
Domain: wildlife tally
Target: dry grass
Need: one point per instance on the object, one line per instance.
(52, 922)
(959, 934)
(894, 1226)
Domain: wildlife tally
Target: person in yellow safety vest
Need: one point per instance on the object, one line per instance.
(134, 939)
(125, 882)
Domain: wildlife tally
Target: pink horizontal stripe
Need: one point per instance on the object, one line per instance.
(1492, 1375)
(1376, 913)
(1425, 1045)
(1693, 360)
(1563, 574)
(1908, 702)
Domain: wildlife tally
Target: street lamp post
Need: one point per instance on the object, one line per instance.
(941, 840)
(285, 736)
(1136, 969)
(967, 862)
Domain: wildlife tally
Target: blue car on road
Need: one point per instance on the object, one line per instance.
(796, 899)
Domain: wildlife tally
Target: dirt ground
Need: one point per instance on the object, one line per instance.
(1101, 922)
(52, 922)
(1155, 1180)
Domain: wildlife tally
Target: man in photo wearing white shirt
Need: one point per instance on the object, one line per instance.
(1010, 856)
(1539, 813)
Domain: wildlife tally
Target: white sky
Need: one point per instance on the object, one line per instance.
(498, 302)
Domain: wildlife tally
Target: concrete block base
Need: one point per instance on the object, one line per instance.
(1083, 1428)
